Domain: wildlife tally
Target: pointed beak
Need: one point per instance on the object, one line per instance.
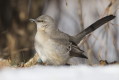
(32, 20)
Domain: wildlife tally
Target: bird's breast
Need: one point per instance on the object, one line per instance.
(41, 37)
(50, 51)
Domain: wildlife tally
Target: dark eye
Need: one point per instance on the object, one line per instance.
(40, 21)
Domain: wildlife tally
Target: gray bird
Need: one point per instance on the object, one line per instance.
(55, 47)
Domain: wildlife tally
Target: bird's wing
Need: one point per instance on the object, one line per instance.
(65, 39)
(71, 46)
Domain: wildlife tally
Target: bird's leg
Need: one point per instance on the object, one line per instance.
(32, 61)
(67, 64)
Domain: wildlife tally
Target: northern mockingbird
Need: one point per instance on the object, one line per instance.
(55, 47)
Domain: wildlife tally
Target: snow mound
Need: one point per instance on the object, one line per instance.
(61, 73)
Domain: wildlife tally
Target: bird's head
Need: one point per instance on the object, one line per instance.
(44, 23)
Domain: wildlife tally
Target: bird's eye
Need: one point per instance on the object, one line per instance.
(40, 21)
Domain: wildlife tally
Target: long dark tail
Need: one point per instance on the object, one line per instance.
(93, 27)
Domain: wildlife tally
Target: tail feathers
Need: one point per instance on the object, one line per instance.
(93, 27)
(76, 52)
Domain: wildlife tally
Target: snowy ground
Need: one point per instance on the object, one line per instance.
(61, 73)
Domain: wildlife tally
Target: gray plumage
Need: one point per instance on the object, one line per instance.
(55, 47)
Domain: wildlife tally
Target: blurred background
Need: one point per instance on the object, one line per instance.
(72, 16)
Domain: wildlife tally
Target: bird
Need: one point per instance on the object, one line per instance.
(56, 47)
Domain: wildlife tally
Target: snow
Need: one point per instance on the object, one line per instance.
(79, 72)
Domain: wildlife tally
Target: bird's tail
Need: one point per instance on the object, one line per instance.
(93, 27)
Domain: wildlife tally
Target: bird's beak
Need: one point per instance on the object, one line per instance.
(32, 20)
